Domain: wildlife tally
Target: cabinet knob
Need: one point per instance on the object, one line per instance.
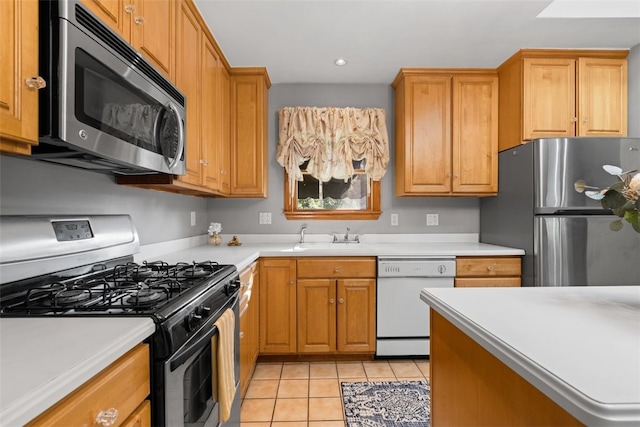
(336, 270)
(585, 119)
(241, 334)
(36, 82)
(490, 268)
(107, 418)
(129, 8)
(574, 119)
(341, 300)
(291, 282)
(331, 301)
(139, 20)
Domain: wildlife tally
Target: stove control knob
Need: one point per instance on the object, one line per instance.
(192, 321)
(203, 310)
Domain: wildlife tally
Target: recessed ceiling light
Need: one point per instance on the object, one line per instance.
(340, 62)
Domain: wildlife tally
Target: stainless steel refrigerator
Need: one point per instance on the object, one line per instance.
(565, 234)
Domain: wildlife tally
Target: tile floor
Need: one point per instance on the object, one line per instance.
(307, 394)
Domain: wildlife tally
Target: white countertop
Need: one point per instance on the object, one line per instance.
(578, 345)
(286, 246)
(44, 359)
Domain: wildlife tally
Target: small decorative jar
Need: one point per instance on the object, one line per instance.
(215, 239)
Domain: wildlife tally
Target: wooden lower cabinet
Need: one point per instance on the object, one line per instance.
(336, 315)
(336, 311)
(483, 271)
(277, 305)
(465, 375)
(317, 305)
(124, 386)
(249, 324)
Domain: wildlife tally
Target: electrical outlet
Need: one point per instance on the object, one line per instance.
(432, 219)
(193, 218)
(265, 217)
(394, 219)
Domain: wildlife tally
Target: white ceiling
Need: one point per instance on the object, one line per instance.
(298, 40)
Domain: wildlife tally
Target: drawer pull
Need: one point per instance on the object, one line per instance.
(107, 418)
(331, 301)
(341, 300)
(490, 268)
(336, 270)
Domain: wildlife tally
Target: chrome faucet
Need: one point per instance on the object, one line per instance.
(302, 230)
(346, 235)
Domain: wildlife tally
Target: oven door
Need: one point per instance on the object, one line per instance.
(190, 383)
(104, 105)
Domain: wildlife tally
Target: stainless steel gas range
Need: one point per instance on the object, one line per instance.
(83, 266)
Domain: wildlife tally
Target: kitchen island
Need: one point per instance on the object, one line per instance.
(535, 356)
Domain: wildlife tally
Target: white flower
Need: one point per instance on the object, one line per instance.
(634, 184)
(214, 227)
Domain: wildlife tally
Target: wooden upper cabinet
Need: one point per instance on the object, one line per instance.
(249, 109)
(562, 93)
(211, 110)
(475, 134)
(18, 62)
(224, 147)
(602, 97)
(446, 132)
(549, 97)
(423, 135)
(147, 25)
(188, 79)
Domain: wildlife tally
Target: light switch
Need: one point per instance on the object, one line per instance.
(394, 219)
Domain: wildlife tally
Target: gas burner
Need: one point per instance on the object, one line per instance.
(192, 271)
(71, 296)
(145, 297)
(129, 285)
(93, 284)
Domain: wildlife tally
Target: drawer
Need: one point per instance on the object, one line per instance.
(487, 267)
(124, 385)
(478, 282)
(329, 267)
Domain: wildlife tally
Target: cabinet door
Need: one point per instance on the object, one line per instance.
(602, 97)
(277, 305)
(316, 316)
(549, 98)
(188, 49)
(475, 134)
(18, 62)
(153, 33)
(115, 13)
(426, 154)
(224, 148)
(248, 135)
(210, 112)
(141, 417)
(356, 315)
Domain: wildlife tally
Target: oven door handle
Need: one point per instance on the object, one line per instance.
(194, 347)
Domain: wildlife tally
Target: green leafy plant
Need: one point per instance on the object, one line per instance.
(623, 197)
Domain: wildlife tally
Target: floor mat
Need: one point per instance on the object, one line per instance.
(386, 404)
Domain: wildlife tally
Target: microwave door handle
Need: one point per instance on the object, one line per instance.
(176, 159)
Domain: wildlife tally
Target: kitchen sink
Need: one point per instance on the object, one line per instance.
(326, 246)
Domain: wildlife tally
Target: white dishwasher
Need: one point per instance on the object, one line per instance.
(402, 318)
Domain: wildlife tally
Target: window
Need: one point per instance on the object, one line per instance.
(317, 148)
(356, 198)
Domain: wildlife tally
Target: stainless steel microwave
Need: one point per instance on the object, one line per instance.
(105, 108)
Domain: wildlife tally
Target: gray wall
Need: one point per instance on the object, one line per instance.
(634, 91)
(31, 188)
(456, 215)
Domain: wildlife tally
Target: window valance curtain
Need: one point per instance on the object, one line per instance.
(330, 139)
